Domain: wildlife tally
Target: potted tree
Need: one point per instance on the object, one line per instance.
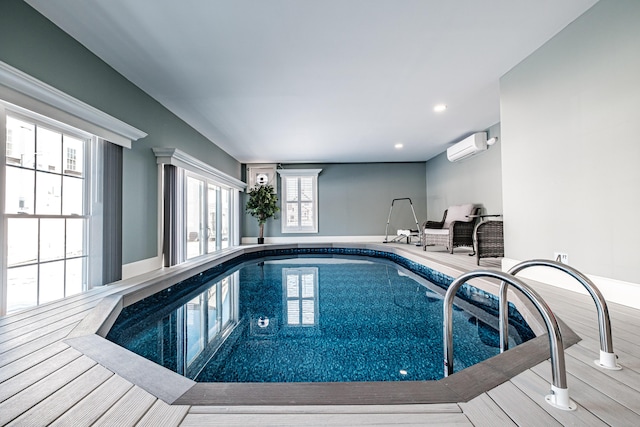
(262, 204)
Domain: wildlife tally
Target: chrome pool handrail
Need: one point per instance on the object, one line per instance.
(559, 396)
(607, 356)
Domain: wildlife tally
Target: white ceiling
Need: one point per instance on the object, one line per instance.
(319, 80)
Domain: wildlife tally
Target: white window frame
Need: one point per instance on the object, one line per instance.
(188, 164)
(205, 227)
(22, 93)
(88, 276)
(286, 174)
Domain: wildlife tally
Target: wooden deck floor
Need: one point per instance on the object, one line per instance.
(45, 381)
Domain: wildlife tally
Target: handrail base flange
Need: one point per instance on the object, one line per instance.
(608, 361)
(559, 398)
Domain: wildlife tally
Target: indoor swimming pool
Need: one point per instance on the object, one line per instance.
(312, 315)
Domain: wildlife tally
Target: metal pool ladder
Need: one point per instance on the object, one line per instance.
(607, 356)
(559, 396)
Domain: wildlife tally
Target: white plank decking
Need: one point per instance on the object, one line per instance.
(44, 381)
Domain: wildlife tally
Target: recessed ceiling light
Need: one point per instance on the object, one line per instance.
(439, 108)
(398, 146)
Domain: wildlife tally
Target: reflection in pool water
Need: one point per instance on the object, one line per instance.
(308, 320)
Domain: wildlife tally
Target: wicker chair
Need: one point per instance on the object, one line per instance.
(458, 233)
(489, 240)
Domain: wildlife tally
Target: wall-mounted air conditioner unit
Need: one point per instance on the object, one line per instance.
(469, 146)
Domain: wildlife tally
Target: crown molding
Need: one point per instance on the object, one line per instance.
(41, 92)
(175, 157)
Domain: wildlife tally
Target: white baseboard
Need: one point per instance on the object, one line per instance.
(315, 239)
(617, 291)
(141, 267)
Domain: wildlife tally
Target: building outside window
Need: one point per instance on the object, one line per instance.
(71, 160)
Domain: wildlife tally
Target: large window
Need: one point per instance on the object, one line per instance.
(208, 214)
(299, 200)
(61, 221)
(45, 212)
(200, 207)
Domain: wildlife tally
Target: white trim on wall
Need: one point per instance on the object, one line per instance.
(141, 267)
(617, 291)
(298, 172)
(175, 157)
(315, 239)
(19, 88)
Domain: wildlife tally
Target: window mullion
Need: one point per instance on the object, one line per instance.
(4, 223)
(218, 218)
(299, 179)
(38, 263)
(35, 175)
(64, 257)
(203, 217)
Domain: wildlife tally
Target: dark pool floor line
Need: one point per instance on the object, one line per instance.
(459, 387)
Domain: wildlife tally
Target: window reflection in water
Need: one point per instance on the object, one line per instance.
(300, 291)
(205, 321)
(194, 325)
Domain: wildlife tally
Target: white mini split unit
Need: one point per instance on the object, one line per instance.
(469, 146)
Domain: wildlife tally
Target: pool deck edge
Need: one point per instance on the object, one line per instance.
(173, 388)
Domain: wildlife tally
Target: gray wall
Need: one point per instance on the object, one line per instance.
(570, 117)
(354, 199)
(477, 180)
(31, 43)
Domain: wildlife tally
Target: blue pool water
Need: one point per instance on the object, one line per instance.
(309, 320)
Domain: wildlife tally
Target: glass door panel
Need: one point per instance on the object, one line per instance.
(225, 218)
(213, 242)
(194, 217)
(226, 300)
(195, 331)
(214, 325)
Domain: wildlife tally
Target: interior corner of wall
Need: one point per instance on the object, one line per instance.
(140, 267)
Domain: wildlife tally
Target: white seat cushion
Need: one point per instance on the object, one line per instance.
(436, 231)
(458, 213)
